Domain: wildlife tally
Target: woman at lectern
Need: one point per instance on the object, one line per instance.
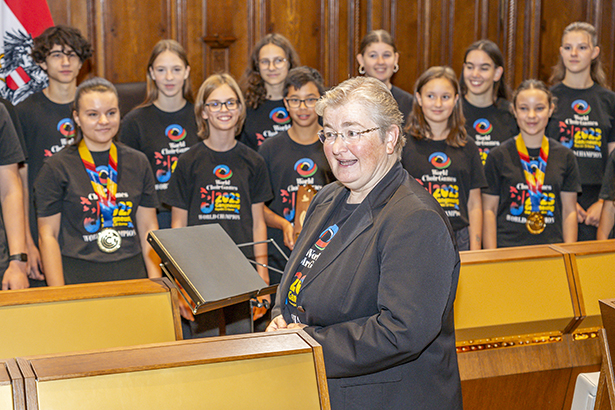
(96, 200)
(363, 279)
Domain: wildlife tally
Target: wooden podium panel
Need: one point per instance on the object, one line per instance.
(513, 291)
(11, 386)
(278, 370)
(89, 316)
(593, 263)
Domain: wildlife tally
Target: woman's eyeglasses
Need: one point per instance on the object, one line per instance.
(350, 136)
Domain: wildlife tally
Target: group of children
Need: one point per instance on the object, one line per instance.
(505, 174)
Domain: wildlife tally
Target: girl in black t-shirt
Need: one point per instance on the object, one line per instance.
(485, 97)
(163, 126)
(533, 180)
(96, 200)
(220, 180)
(584, 120)
(378, 58)
(263, 86)
(439, 155)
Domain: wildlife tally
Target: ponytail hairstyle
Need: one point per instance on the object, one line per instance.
(252, 83)
(500, 89)
(152, 89)
(417, 125)
(596, 71)
(212, 83)
(92, 85)
(532, 84)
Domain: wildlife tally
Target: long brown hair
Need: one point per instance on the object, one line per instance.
(596, 70)
(252, 83)
(500, 89)
(152, 89)
(419, 128)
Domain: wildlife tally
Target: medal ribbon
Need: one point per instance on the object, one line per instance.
(534, 177)
(106, 200)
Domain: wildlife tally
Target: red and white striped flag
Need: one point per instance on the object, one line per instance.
(20, 21)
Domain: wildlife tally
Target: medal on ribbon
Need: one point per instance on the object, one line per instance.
(109, 239)
(534, 178)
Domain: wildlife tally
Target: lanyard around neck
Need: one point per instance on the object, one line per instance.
(534, 177)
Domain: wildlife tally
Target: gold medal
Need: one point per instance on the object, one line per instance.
(535, 223)
(109, 240)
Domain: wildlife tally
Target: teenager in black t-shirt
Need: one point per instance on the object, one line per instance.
(95, 200)
(439, 155)
(378, 58)
(533, 180)
(13, 256)
(164, 126)
(485, 97)
(46, 118)
(263, 84)
(294, 158)
(584, 120)
(220, 180)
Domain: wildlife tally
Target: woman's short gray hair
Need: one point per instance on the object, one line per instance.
(374, 95)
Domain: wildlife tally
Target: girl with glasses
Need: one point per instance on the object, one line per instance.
(163, 126)
(485, 97)
(584, 120)
(220, 180)
(263, 84)
(441, 157)
(378, 58)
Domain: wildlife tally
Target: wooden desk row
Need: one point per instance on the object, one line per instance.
(117, 345)
(217, 373)
(527, 321)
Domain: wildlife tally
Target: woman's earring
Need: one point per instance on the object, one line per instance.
(396, 68)
(361, 70)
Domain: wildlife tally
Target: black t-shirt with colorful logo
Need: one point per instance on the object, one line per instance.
(309, 263)
(161, 136)
(220, 187)
(269, 119)
(63, 186)
(489, 126)
(448, 173)
(47, 128)
(507, 181)
(291, 165)
(584, 121)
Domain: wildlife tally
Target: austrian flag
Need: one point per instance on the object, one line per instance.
(20, 21)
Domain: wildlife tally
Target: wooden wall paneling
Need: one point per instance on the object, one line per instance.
(607, 40)
(531, 36)
(467, 22)
(409, 38)
(127, 31)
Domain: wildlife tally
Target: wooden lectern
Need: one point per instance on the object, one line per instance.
(12, 394)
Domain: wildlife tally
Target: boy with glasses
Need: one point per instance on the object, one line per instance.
(294, 158)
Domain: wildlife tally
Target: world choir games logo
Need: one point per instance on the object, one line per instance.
(175, 132)
(581, 107)
(440, 160)
(67, 128)
(223, 172)
(279, 115)
(305, 167)
(325, 237)
(483, 126)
